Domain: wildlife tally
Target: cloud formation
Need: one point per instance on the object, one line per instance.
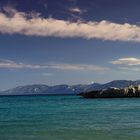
(14, 65)
(60, 66)
(14, 22)
(130, 61)
(135, 69)
(76, 10)
(47, 74)
(77, 67)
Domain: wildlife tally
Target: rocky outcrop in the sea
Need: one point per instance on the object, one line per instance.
(113, 92)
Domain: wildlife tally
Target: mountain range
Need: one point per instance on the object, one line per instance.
(40, 89)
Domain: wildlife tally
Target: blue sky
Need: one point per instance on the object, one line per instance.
(68, 41)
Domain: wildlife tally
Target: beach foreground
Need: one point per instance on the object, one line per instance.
(69, 117)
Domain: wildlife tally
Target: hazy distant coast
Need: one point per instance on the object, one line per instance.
(66, 89)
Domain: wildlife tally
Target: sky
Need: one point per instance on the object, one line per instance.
(68, 41)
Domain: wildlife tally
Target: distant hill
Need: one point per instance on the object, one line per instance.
(44, 90)
(66, 89)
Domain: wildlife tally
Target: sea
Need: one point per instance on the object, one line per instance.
(69, 118)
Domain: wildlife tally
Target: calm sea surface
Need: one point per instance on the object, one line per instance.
(69, 118)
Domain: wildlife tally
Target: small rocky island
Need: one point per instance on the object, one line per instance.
(113, 92)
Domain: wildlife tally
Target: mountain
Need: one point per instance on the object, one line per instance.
(116, 83)
(44, 89)
(41, 89)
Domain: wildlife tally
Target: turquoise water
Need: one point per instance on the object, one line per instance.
(69, 118)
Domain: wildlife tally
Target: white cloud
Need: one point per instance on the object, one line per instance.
(34, 25)
(130, 61)
(47, 74)
(14, 65)
(77, 67)
(135, 69)
(76, 10)
(128, 64)
(60, 66)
